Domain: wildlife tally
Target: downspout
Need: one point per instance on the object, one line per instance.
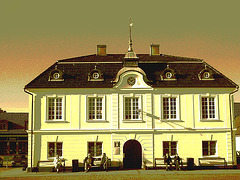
(231, 121)
(31, 130)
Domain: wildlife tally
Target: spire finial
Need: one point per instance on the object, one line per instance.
(130, 54)
(130, 49)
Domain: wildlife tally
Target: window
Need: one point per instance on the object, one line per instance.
(169, 147)
(54, 148)
(95, 148)
(131, 108)
(208, 148)
(55, 108)
(3, 148)
(116, 147)
(169, 108)
(95, 108)
(4, 125)
(208, 108)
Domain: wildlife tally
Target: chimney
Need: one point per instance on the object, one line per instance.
(101, 50)
(154, 49)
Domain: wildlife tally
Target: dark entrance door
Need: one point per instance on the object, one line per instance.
(132, 155)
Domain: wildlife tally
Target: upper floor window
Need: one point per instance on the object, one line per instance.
(132, 108)
(169, 107)
(170, 147)
(55, 108)
(4, 125)
(209, 148)
(95, 108)
(208, 108)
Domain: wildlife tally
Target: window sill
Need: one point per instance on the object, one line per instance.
(97, 121)
(133, 121)
(55, 121)
(171, 120)
(210, 120)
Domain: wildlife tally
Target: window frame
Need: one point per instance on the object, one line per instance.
(139, 108)
(209, 148)
(95, 148)
(170, 148)
(47, 108)
(55, 150)
(216, 108)
(177, 108)
(103, 108)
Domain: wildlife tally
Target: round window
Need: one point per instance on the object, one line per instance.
(168, 75)
(206, 75)
(56, 75)
(95, 75)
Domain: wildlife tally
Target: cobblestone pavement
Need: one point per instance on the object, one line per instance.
(17, 173)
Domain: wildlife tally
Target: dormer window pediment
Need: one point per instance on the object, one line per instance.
(168, 75)
(56, 75)
(95, 75)
(205, 74)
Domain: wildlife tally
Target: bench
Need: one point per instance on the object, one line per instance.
(96, 162)
(48, 164)
(160, 162)
(212, 161)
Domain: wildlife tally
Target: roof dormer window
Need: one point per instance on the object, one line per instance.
(95, 75)
(206, 74)
(56, 75)
(168, 74)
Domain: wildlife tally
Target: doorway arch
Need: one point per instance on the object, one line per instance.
(132, 151)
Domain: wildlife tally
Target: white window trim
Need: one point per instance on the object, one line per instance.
(216, 101)
(139, 107)
(177, 107)
(216, 149)
(63, 108)
(103, 108)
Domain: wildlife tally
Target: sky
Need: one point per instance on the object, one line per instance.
(35, 34)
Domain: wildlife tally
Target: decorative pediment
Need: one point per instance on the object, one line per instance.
(168, 74)
(131, 78)
(56, 75)
(95, 75)
(205, 74)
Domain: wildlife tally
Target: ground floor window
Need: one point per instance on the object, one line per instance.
(3, 148)
(13, 145)
(95, 148)
(169, 147)
(54, 148)
(208, 148)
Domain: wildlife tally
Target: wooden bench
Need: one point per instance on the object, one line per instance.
(48, 164)
(96, 162)
(212, 161)
(160, 162)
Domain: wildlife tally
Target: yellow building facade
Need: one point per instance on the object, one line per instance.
(132, 107)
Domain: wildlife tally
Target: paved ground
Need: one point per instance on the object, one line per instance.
(229, 174)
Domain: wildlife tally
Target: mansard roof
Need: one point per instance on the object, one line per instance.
(76, 71)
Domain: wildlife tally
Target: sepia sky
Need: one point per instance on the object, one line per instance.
(35, 34)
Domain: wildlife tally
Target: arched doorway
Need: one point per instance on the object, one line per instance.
(132, 151)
